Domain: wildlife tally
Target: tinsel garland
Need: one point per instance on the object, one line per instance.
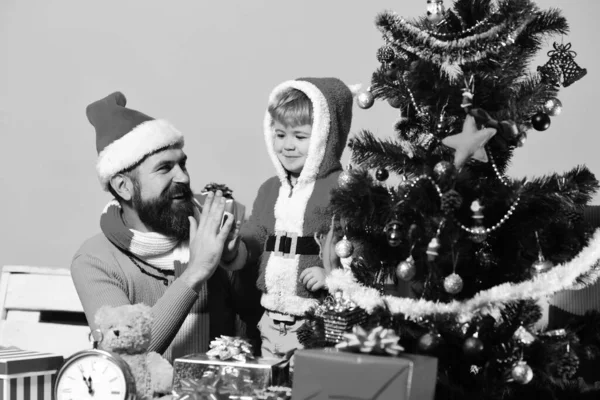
(450, 55)
(425, 38)
(561, 277)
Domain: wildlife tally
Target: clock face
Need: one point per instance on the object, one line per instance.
(91, 376)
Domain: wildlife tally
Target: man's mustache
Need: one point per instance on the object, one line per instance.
(179, 190)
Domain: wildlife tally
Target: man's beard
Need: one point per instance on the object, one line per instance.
(164, 215)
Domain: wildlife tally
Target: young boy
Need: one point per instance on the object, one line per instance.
(306, 126)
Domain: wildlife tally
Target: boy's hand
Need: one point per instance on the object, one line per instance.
(313, 278)
(330, 260)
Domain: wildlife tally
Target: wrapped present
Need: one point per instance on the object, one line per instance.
(358, 373)
(227, 371)
(27, 374)
(232, 207)
(339, 316)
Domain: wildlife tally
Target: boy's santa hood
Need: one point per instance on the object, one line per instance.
(332, 114)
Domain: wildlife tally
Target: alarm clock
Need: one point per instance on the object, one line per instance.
(95, 374)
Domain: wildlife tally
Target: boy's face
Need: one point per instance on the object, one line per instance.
(291, 146)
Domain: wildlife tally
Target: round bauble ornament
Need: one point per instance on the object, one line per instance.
(553, 107)
(522, 373)
(344, 179)
(395, 102)
(429, 343)
(453, 284)
(386, 54)
(392, 231)
(344, 248)
(435, 10)
(407, 269)
(478, 234)
(540, 121)
(382, 174)
(443, 171)
(365, 100)
(473, 347)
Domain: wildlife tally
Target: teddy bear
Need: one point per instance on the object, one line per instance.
(126, 332)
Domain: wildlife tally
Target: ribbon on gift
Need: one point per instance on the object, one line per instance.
(230, 348)
(236, 381)
(213, 187)
(204, 388)
(336, 303)
(377, 341)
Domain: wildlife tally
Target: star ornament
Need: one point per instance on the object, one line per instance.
(470, 143)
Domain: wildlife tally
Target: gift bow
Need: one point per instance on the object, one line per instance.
(227, 348)
(336, 303)
(213, 187)
(377, 341)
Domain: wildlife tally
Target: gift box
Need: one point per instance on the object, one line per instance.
(27, 374)
(232, 207)
(199, 376)
(338, 323)
(333, 374)
(339, 316)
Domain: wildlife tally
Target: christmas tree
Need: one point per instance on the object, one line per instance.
(474, 249)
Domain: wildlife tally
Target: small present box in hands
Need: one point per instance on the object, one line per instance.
(233, 208)
(27, 374)
(227, 371)
(339, 316)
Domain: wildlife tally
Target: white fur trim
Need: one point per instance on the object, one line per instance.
(355, 89)
(290, 210)
(318, 137)
(281, 274)
(134, 146)
(294, 305)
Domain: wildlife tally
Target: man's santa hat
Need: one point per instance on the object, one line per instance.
(124, 137)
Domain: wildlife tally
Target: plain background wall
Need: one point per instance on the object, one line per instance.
(208, 67)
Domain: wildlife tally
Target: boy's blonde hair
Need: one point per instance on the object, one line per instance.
(292, 108)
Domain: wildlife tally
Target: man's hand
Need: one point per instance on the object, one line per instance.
(313, 278)
(232, 244)
(207, 240)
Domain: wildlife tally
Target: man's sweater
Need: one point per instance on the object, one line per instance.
(184, 321)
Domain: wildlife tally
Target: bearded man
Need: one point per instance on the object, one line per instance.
(158, 246)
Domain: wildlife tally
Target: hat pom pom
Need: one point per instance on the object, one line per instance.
(355, 89)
